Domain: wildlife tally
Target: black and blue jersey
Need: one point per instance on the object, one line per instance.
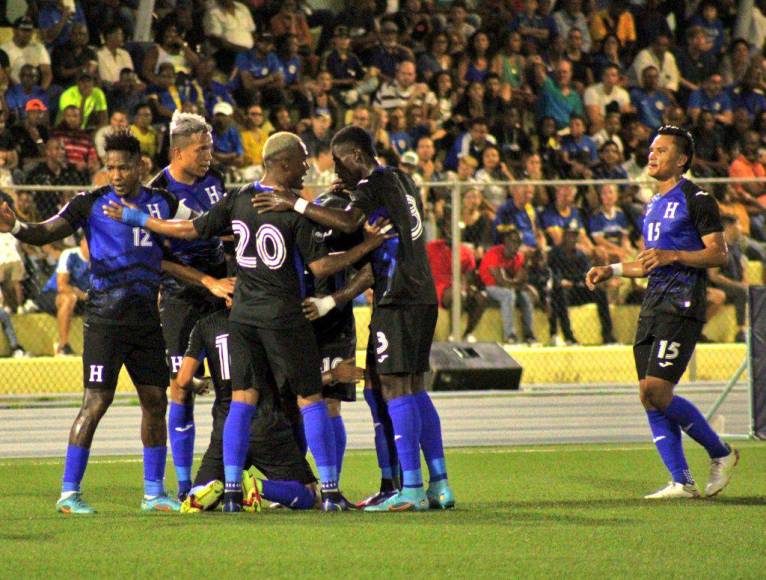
(400, 265)
(204, 255)
(677, 220)
(125, 261)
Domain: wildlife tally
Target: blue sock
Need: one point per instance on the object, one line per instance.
(406, 420)
(339, 429)
(292, 494)
(321, 440)
(154, 470)
(300, 437)
(74, 468)
(236, 432)
(667, 438)
(181, 431)
(383, 447)
(683, 412)
(431, 437)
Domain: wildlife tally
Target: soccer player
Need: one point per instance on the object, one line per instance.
(404, 312)
(272, 449)
(683, 236)
(122, 324)
(197, 186)
(271, 340)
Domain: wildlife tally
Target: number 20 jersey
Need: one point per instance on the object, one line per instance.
(678, 220)
(272, 251)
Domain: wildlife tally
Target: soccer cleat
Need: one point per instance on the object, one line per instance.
(202, 498)
(161, 503)
(74, 504)
(232, 502)
(376, 498)
(251, 495)
(333, 501)
(675, 490)
(720, 472)
(440, 495)
(408, 499)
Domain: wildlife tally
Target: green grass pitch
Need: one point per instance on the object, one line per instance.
(573, 511)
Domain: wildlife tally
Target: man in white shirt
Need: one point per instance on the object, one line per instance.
(21, 50)
(229, 25)
(600, 95)
(658, 55)
(112, 57)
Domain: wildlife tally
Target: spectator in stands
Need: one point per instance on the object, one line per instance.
(474, 66)
(571, 16)
(290, 20)
(21, 50)
(473, 300)
(695, 62)
(321, 173)
(128, 93)
(227, 142)
(386, 57)
(170, 47)
(494, 169)
(317, 133)
(15, 349)
(707, 19)
(651, 21)
(398, 135)
(659, 56)
(557, 100)
(166, 97)
(446, 100)
(615, 19)
(504, 276)
(477, 232)
(536, 30)
(56, 20)
(259, 74)
(609, 55)
(509, 63)
(55, 170)
(458, 23)
(518, 213)
(748, 93)
(609, 165)
(611, 132)
(470, 106)
(747, 165)
(711, 97)
(742, 206)
(66, 292)
(710, 158)
(229, 27)
(472, 142)
(17, 97)
(402, 91)
(254, 134)
(512, 138)
(649, 101)
(579, 151)
(118, 121)
(559, 217)
(78, 143)
(73, 57)
(732, 277)
(569, 266)
(604, 97)
(735, 64)
(213, 92)
(582, 64)
(11, 272)
(31, 133)
(112, 57)
(143, 130)
(345, 67)
(89, 99)
(609, 227)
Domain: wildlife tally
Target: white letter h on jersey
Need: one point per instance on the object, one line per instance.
(96, 374)
(670, 210)
(154, 210)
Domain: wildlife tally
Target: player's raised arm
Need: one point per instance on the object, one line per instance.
(37, 234)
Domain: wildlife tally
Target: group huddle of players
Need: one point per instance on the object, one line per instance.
(275, 323)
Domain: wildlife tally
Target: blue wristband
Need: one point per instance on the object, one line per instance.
(134, 217)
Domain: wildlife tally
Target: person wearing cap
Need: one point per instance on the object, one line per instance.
(29, 89)
(31, 133)
(87, 97)
(21, 50)
(227, 142)
(389, 53)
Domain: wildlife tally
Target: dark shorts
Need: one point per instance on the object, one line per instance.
(333, 351)
(107, 347)
(178, 318)
(287, 359)
(272, 450)
(664, 344)
(400, 339)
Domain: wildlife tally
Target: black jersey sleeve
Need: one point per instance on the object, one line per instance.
(217, 220)
(365, 197)
(704, 212)
(310, 246)
(196, 345)
(77, 211)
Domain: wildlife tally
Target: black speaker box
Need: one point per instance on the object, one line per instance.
(464, 366)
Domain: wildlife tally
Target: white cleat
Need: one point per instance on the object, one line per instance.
(720, 473)
(675, 490)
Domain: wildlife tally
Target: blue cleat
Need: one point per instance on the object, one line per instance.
(440, 495)
(74, 504)
(161, 503)
(408, 499)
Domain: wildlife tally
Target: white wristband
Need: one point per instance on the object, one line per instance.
(17, 227)
(616, 269)
(324, 304)
(300, 205)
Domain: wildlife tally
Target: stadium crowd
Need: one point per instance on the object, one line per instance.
(475, 92)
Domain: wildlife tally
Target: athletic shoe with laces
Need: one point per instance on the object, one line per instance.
(251, 494)
(721, 469)
(376, 498)
(160, 503)
(440, 495)
(333, 501)
(202, 497)
(408, 499)
(675, 490)
(74, 504)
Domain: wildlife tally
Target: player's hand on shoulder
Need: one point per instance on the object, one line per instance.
(655, 258)
(7, 218)
(379, 231)
(116, 211)
(596, 275)
(275, 200)
(347, 372)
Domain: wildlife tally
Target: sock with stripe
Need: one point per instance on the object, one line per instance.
(181, 432)
(431, 437)
(292, 494)
(666, 436)
(694, 424)
(74, 469)
(154, 471)
(406, 420)
(385, 448)
(236, 432)
(321, 440)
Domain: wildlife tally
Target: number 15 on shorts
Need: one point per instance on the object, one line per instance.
(667, 351)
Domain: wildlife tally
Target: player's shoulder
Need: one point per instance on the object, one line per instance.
(161, 193)
(332, 199)
(85, 199)
(160, 180)
(214, 174)
(696, 195)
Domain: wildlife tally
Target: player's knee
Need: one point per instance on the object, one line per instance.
(96, 402)
(656, 393)
(333, 407)
(154, 401)
(66, 301)
(309, 400)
